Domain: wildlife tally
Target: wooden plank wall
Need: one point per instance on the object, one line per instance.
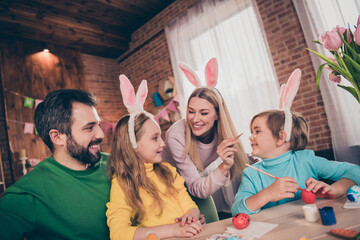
(26, 71)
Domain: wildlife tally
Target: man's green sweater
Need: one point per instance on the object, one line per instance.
(55, 202)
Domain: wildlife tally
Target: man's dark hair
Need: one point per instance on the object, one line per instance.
(56, 110)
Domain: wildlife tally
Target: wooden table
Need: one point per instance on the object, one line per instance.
(292, 224)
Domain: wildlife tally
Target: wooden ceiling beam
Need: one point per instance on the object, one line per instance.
(80, 11)
(144, 7)
(51, 22)
(67, 19)
(60, 35)
(99, 27)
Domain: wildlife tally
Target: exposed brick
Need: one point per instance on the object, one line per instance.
(151, 61)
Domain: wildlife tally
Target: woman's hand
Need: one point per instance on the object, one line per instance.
(226, 151)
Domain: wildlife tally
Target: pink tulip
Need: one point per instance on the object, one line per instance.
(334, 78)
(358, 21)
(331, 40)
(357, 35)
(342, 31)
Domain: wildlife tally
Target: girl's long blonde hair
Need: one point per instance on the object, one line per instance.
(223, 126)
(129, 169)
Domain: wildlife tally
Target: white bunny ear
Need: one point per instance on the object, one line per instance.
(287, 94)
(127, 92)
(134, 103)
(211, 73)
(141, 95)
(289, 91)
(190, 74)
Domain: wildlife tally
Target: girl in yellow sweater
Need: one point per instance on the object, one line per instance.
(146, 194)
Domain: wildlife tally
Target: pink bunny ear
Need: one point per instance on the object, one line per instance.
(281, 99)
(127, 92)
(211, 73)
(289, 90)
(142, 94)
(190, 74)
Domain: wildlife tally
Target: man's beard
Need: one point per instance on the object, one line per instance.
(81, 153)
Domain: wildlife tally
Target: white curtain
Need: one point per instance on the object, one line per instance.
(342, 110)
(231, 31)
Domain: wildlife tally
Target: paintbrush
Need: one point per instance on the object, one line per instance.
(267, 174)
(261, 171)
(237, 137)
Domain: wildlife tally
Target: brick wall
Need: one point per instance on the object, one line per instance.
(103, 81)
(148, 58)
(287, 45)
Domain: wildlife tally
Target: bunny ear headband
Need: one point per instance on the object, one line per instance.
(287, 94)
(133, 103)
(211, 73)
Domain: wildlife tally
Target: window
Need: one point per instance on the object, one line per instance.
(230, 31)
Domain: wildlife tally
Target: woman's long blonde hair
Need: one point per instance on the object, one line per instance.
(129, 169)
(223, 126)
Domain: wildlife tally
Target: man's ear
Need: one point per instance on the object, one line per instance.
(57, 138)
(282, 138)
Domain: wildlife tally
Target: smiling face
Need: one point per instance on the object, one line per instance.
(201, 116)
(263, 142)
(150, 144)
(86, 135)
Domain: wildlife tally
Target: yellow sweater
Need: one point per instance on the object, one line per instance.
(119, 212)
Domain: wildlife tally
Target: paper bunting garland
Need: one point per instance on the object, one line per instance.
(176, 98)
(164, 113)
(29, 128)
(157, 100)
(171, 106)
(37, 101)
(107, 125)
(29, 102)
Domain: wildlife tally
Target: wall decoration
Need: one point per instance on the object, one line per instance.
(29, 102)
(166, 88)
(172, 116)
(29, 128)
(157, 100)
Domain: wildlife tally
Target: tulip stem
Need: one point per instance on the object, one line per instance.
(352, 79)
(342, 61)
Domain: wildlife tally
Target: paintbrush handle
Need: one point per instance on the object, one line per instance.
(237, 137)
(261, 171)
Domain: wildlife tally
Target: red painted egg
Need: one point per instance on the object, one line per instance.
(241, 220)
(308, 196)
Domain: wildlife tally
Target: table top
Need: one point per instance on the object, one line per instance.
(292, 224)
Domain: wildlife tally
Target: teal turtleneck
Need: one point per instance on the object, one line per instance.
(300, 165)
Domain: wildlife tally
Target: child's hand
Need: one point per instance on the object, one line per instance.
(321, 189)
(180, 219)
(283, 187)
(226, 150)
(186, 219)
(187, 230)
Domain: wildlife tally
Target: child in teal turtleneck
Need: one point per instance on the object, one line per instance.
(294, 166)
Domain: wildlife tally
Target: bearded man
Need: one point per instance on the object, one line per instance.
(65, 195)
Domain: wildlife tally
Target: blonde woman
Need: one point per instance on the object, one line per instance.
(195, 144)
